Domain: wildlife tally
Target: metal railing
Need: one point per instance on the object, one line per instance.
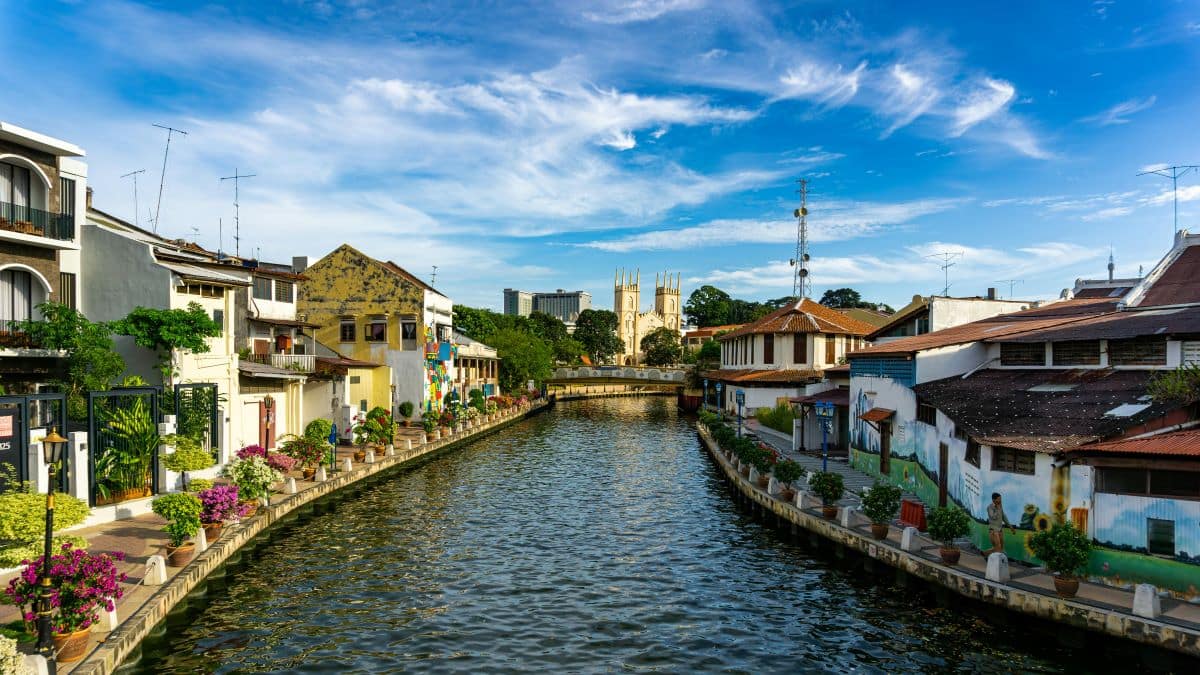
(301, 363)
(28, 220)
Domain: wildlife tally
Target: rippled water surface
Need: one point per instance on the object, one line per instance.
(594, 538)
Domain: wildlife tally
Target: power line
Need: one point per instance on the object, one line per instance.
(237, 210)
(1175, 175)
(163, 174)
(946, 257)
(801, 283)
(135, 196)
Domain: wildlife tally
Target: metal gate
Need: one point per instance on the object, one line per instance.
(19, 415)
(195, 408)
(123, 444)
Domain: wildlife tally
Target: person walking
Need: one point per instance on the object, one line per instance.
(996, 522)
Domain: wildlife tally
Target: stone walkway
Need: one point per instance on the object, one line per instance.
(854, 479)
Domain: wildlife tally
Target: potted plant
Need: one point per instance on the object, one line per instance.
(787, 472)
(880, 504)
(198, 485)
(188, 456)
(946, 524)
(366, 430)
(430, 424)
(383, 429)
(253, 478)
(1064, 550)
(406, 411)
(84, 584)
(828, 486)
(218, 505)
(762, 461)
(182, 511)
(308, 452)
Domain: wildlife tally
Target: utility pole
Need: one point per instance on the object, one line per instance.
(162, 175)
(801, 284)
(237, 211)
(1176, 172)
(1011, 283)
(433, 277)
(946, 257)
(135, 198)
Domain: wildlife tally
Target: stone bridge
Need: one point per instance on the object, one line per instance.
(618, 375)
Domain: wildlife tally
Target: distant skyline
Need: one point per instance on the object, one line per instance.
(544, 146)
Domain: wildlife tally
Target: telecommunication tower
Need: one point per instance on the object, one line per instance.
(801, 283)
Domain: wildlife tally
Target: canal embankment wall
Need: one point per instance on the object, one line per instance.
(851, 531)
(126, 638)
(579, 396)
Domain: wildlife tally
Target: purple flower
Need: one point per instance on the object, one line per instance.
(252, 451)
(219, 504)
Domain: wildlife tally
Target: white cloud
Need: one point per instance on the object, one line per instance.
(985, 101)
(629, 11)
(1104, 214)
(1119, 113)
(1188, 193)
(829, 85)
(910, 96)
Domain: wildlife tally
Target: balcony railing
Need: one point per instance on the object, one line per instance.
(301, 363)
(28, 220)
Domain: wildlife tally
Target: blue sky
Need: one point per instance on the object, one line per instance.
(543, 146)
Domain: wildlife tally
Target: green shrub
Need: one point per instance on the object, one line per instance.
(199, 484)
(23, 522)
(406, 409)
(318, 430)
(429, 423)
(778, 418)
(788, 471)
(1062, 548)
(947, 523)
(182, 511)
(188, 457)
(828, 486)
(882, 502)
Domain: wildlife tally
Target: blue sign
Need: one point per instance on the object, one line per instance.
(740, 396)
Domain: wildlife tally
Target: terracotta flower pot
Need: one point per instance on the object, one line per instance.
(72, 646)
(1066, 587)
(787, 495)
(212, 531)
(251, 507)
(950, 554)
(879, 530)
(380, 450)
(178, 556)
(829, 512)
(764, 481)
(310, 472)
(360, 455)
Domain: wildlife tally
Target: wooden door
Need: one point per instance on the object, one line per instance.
(885, 448)
(943, 471)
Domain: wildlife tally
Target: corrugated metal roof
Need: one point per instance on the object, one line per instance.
(764, 376)
(1179, 284)
(805, 316)
(877, 414)
(1177, 444)
(198, 273)
(1118, 326)
(268, 372)
(838, 397)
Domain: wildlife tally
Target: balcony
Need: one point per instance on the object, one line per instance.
(300, 363)
(36, 222)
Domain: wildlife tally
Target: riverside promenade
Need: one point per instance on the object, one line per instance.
(146, 602)
(1096, 608)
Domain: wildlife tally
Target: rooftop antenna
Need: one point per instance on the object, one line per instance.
(135, 198)
(220, 237)
(1176, 172)
(946, 257)
(195, 234)
(433, 277)
(801, 284)
(162, 175)
(1010, 282)
(237, 211)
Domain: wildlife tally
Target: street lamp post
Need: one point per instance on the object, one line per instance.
(825, 415)
(740, 396)
(53, 446)
(706, 393)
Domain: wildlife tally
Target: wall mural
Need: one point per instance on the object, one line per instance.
(1031, 503)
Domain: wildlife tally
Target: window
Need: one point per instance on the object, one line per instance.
(14, 189)
(16, 297)
(1077, 353)
(283, 291)
(768, 348)
(830, 349)
(355, 379)
(1157, 483)
(349, 332)
(1160, 536)
(1022, 354)
(800, 348)
(922, 326)
(1138, 352)
(262, 288)
(66, 197)
(1122, 481)
(927, 414)
(66, 290)
(1011, 460)
(961, 434)
(376, 330)
(218, 317)
(1175, 484)
(972, 455)
(408, 331)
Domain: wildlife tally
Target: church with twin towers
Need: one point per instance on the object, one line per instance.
(634, 324)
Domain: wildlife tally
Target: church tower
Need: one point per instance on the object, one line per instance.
(627, 302)
(666, 300)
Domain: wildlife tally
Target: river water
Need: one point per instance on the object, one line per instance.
(593, 538)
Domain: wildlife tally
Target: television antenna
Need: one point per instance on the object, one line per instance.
(163, 174)
(237, 211)
(433, 277)
(195, 234)
(801, 283)
(1176, 172)
(1011, 283)
(946, 257)
(135, 198)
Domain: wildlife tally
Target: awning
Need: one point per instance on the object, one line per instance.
(876, 415)
(838, 397)
(261, 370)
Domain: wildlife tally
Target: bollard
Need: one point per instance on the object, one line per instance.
(753, 478)
(997, 568)
(347, 465)
(424, 439)
(201, 540)
(390, 451)
(800, 499)
(108, 619)
(36, 664)
(321, 476)
(1146, 603)
(908, 539)
(289, 486)
(845, 516)
(772, 486)
(156, 571)
(408, 444)
(370, 457)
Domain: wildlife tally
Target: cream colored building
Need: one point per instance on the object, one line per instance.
(634, 324)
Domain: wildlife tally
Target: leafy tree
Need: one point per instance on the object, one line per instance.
(477, 324)
(568, 351)
(596, 330)
(548, 327)
(848, 298)
(92, 360)
(661, 347)
(709, 355)
(523, 357)
(708, 306)
(779, 303)
(167, 331)
(744, 311)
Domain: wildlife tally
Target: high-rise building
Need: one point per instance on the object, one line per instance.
(566, 305)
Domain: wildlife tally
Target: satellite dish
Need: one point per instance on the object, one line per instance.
(804, 210)
(806, 257)
(796, 213)
(803, 272)
(792, 262)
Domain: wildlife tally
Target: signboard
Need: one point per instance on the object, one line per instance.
(10, 451)
(740, 397)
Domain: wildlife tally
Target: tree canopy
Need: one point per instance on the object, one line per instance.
(167, 330)
(523, 357)
(596, 330)
(661, 347)
(708, 306)
(848, 298)
(92, 360)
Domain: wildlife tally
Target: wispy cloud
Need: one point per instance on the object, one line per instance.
(986, 100)
(629, 11)
(825, 84)
(1120, 113)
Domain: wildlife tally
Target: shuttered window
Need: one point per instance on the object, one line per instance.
(800, 348)
(1022, 354)
(768, 349)
(1138, 352)
(262, 288)
(1077, 353)
(1012, 460)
